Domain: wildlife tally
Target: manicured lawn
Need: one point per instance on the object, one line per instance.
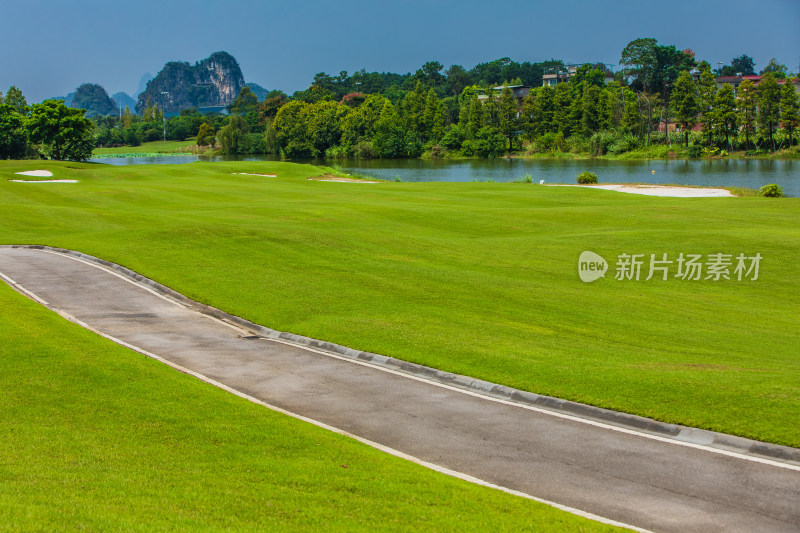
(154, 147)
(99, 438)
(475, 278)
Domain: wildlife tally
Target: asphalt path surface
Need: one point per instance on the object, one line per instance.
(623, 476)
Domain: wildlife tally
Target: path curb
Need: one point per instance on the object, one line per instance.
(677, 432)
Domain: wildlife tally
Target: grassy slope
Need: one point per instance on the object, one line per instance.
(475, 278)
(96, 437)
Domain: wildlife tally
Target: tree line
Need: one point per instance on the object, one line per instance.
(458, 112)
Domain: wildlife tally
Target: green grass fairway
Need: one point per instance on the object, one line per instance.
(475, 278)
(99, 438)
(154, 147)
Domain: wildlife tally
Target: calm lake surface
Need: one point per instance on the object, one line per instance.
(705, 173)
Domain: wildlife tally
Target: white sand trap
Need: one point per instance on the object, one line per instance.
(36, 173)
(658, 190)
(44, 181)
(252, 174)
(341, 180)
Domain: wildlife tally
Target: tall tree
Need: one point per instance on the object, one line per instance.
(725, 116)
(790, 110)
(544, 111)
(776, 69)
(63, 132)
(13, 138)
(639, 61)
(706, 95)
(509, 122)
(743, 64)
(769, 106)
(15, 99)
(590, 116)
(458, 78)
(746, 105)
(684, 103)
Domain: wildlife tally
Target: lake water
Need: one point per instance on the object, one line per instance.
(752, 173)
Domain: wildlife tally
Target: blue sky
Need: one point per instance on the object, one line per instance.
(48, 48)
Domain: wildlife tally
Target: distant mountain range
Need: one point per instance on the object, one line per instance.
(213, 82)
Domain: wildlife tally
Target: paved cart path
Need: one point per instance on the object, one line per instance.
(632, 478)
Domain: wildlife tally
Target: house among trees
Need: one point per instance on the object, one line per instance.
(735, 81)
(520, 92)
(558, 74)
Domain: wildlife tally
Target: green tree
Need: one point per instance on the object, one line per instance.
(389, 140)
(323, 119)
(639, 61)
(653, 67)
(790, 111)
(562, 117)
(590, 116)
(743, 64)
(127, 118)
(776, 69)
(15, 99)
(458, 79)
(746, 105)
(291, 130)
(63, 132)
(13, 137)
(476, 117)
(509, 122)
(245, 102)
(769, 106)
(544, 111)
(270, 137)
(433, 118)
(205, 137)
(726, 119)
(706, 96)
(359, 125)
(684, 103)
(231, 135)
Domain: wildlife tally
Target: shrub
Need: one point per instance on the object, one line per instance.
(437, 151)
(587, 177)
(452, 138)
(624, 143)
(337, 152)
(550, 142)
(364, 150)
(695, 151)
(773, 190)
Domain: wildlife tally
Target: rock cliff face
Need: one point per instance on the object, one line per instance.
(215, 81)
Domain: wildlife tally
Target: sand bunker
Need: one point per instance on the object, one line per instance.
(252, 174)
(36, 173)
(328, 177)
(44, 181)
(659, 190)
